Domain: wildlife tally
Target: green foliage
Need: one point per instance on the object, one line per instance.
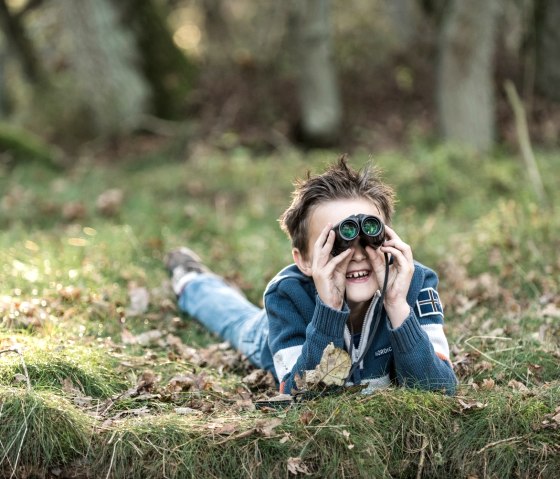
(40, 430)
(18, 145)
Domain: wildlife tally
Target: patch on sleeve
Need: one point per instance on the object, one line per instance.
(428, 303)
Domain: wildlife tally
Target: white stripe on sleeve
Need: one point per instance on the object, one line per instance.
(437, 338)
(285, 359)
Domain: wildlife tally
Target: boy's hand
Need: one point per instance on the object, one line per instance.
(329, 273)
(400, 275)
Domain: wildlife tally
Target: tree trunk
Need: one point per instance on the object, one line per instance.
(320, 104)
(104, 63)
(548, 48)
(169, 72)
(22, 47)
(465, 93)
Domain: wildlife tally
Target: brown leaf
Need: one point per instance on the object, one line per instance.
(466, 405)
(70, 293)
(332, 369)
(74, 210)
(109, 202)
(259, 379)
(306, 417)
(296, 466)
(146, 381)
(519, 386)
(488, 384)
(183, 382)
(266, 426)
(139, 298)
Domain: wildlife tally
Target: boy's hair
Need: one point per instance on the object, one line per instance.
(338, 182)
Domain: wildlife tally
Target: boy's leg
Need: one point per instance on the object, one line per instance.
(219, 307)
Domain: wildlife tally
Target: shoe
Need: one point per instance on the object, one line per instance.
(187, 259)
(183, 264)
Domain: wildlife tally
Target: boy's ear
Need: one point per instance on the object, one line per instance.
(303, 264)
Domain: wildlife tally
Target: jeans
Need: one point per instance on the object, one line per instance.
(226, 312)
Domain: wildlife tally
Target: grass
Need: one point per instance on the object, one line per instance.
(119, 392)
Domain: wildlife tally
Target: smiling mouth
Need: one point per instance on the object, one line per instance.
(358, 274)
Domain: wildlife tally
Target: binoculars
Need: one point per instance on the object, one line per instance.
(369, 228)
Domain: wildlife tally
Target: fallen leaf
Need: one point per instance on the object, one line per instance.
(139, 298)
(146, 381)
(109, 202)
(466, 405)
(519, 386)
(306, 417)
(266, 427)
(185, 411)
(333, 368)
(259, 379)
(488, 384)
(296, 466)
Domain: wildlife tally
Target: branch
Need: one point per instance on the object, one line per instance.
(524, 141)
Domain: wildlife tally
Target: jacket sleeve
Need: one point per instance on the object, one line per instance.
(299, 330)
(420, 348)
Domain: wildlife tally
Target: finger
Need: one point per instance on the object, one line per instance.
(324, 243)
(399, 245)
(323, 236)
(400, 260)
(391, 234)
(341, 260)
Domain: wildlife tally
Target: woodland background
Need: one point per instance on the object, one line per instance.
(128, 128)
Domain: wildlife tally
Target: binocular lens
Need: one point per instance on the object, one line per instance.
(349, 230)
(371, 226)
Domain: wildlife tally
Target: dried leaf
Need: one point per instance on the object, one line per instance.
(296, 466)
(333, 368)
(139, 298)
(266, 427)
(465, 406)
(185, 411)
(488, 384)
(110, 202)
(259, 379)
(518, 386)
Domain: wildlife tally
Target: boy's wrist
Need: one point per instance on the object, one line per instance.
(397, 312)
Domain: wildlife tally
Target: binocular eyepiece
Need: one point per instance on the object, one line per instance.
(370, 229)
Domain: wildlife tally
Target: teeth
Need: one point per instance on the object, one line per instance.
(357, 274)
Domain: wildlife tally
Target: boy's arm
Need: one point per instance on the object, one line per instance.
(296, 343)
(419, 344)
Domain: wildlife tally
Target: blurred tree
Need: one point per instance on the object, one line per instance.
(465, 90)
(547, 40)
(319, 96)
(166, 68)
(20, 44)
(217, 29)
(406, 19)
(104, 63)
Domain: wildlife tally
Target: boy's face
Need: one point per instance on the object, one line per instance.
(361, 283)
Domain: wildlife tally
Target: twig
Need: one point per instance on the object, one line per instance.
(490, 358)
(23, 365)
(112, 458)
(422, 457)
(524, 141)
(501, 441)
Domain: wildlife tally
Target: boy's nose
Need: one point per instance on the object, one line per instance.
(359, 250)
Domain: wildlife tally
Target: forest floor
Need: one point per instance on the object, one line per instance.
(101, 376)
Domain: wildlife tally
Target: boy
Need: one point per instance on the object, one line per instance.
(393, 338)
